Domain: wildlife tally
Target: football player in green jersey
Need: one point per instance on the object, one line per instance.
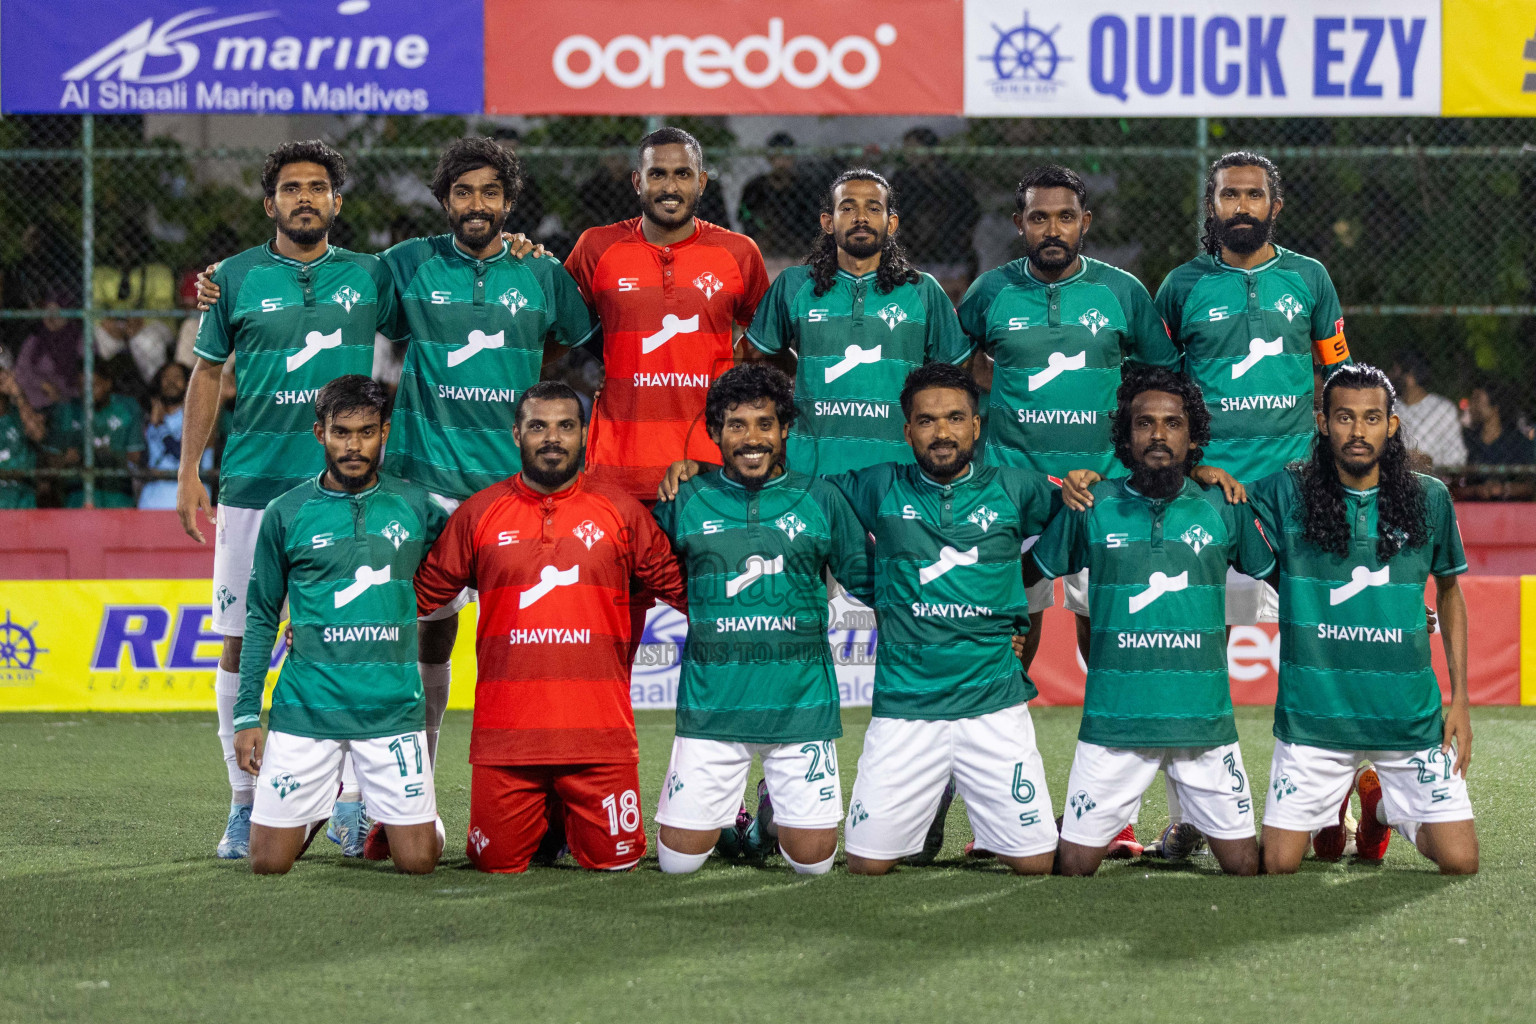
(854, 320)
(298, 312)
(342, 549)
(1158, 546)
(757, 542)
(1358, 535)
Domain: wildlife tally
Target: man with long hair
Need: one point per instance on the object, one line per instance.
(1157, 545)
(1357, 535)
(858, 317)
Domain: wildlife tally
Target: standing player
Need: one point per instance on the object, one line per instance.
(1157, 546)
(552, 554)
(341, 549)
(858, 318)
(667, 288)
(757, 541)
(298, 312)
(1358, 535)
(950, 695)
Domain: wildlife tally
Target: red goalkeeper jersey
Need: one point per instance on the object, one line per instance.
(552, 644)
(666, 315)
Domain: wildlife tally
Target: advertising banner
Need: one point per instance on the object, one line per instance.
(1202, 57)
(145, 645)
(1490, 58)
(241, 57)
(723, 57)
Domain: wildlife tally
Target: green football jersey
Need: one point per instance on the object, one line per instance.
(16, 452)
(294, 328)
(757, 667)
(1157, 579)
(1354, 644)
(118, 431)
(1057, 351)
(477, 332)
(1250, 339)
(345, 563)
(948, 589)
(855, 346)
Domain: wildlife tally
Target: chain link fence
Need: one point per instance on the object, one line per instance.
(1424, 224)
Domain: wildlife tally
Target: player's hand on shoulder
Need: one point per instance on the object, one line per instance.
(1211, 476)
(685, 469)
(521, 245)
(1075, 491)
(248, 747)
(207, 291)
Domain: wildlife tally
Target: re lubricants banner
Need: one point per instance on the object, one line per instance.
(241, 56)
(1202, 57)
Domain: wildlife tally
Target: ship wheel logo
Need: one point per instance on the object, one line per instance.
(18, 649)
(1025, 53)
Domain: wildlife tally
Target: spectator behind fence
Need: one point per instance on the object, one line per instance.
(48, 366)
(222, 239)
(779, 210)
(1431, 423)
(162, 436)
(939, 212)
(118, 436)
(22, 429)
(1495, 439)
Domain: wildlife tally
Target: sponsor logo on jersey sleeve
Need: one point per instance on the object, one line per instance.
(549, 579)
(364, 578)
(853, 356)
(1160, 583)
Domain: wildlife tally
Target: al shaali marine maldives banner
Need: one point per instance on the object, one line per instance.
(241, 56)
(1202, 57)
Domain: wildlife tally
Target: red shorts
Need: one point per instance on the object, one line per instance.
(511, 807)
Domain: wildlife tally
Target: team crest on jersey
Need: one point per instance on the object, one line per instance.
(708, 283)
(395, 533)
(1290, 306)
(983, 517)
(1196, 537)
(285, 784)
(225, 599)
(893, 314)
(1094, 321)
(1082, 803)
(346, 297)
(479, 840)
(513, 300)
(588, 533)
(791, 524)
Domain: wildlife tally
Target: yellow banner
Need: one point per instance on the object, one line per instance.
(1489, 62)
(132, 645)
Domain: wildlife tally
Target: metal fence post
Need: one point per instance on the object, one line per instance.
(1202, 158)
(88, 303)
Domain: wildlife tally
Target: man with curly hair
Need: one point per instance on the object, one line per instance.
(1157, 545)
(1358, 534)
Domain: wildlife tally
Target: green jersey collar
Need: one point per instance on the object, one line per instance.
(1188, 485)
(772, 481)
(857, 278)
(1367, 493)
(1081, 270)
(272, 251)
(1267, 264)
(963, 478)
(344, 494)
(453, 243)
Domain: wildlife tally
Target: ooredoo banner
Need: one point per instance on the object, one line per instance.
(1202, 57)
(723, 57)
(240, 57)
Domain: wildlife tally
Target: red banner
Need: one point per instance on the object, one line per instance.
(1253, 652)
(723, 57)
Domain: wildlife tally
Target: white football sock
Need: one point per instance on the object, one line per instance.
(226, 688)
(674, 863)
(350, 794)
(435, 681)
(819, 868)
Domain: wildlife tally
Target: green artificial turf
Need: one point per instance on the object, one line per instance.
(113, 908)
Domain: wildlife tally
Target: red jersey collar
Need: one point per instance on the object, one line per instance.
(698, 230)
(522, 490)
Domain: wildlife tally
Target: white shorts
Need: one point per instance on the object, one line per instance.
(997, 770)
(1043, 594)
(1307, 785)
(1250, 601)
(300, 778)
(452, 608)
(234, 548)
(1106, 785)
(706, 778)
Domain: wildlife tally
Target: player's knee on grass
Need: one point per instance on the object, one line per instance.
(807, 847)
(274, 850)
(687, 840)
(1079, 861)
(1236, 856)
(415, 849)
(1283, 850)
(1452, 845)
(864, 866)
(1039, 864)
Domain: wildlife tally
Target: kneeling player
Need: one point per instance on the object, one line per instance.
(342, 549)
(950, 696)
(757, 674)
(552, 555)
(1358, 535)
(1156, 546)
